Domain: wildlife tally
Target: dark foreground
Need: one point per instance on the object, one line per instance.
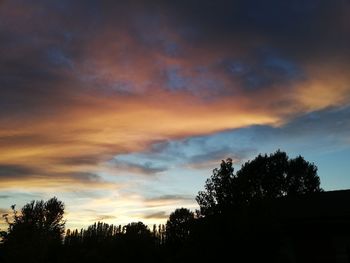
(310, 228)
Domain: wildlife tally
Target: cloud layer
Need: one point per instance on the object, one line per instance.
(93, 93)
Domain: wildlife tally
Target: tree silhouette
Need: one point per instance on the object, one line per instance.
(101, 242)
(179, 225)
(218, 192)
(137, 229)
(265, 177)
(36, 232)
(302, 177)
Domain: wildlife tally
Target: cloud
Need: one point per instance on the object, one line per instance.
(157, 215)
(17, 171)
(91, 159)
(325, 128)
(29, 177)
(105, 217)
(147, 168)
(264, 69)
(318, 130)
(196, 152)
(212, 159)
(168, 201)
(170, 197)
(157, 85)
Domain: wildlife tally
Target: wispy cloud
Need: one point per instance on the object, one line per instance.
(105, 217)
(147, 168)
(23, 177)
(168, 201)
(169, 198)
(157, 215)
(15, 171)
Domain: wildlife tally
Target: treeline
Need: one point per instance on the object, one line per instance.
(109, 243)
(102, 232)
(236, 221)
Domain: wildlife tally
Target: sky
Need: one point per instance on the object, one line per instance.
(122, 109)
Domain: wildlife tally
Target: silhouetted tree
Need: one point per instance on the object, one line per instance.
(275, 176)
(265, 177)
(302, 177)
(137, 242)
(137, 229)
(179, 225)
(36, 233)
(218, 192)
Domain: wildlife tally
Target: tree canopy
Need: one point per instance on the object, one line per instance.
(35, 230)
(178, 225)
(265, 177)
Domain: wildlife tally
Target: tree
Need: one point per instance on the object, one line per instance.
(265, 177)
(178, 226)
(302, 177)
(137, 230)
(36, 232)
(137, 242)
(218, 193)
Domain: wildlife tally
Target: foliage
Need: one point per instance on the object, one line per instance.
(265, 177)
(178, 226)
(218, 192)
(35, 231)
(137, 229)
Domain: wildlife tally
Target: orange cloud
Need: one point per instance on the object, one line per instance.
(328, 86)
(108, 126)
(101, 127)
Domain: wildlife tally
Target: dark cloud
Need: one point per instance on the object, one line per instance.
(212, 159)
(254, 45)
(264, 69)
(326, 128)
(200, 152)
(90, 159)
(10, 173)
(36, 58)
(16, 171)
(104, 217)
(147, 168)
(83, 177)
(332, 121)
(170, 198)
(157, 215)
(303, 26)
(32, 140)
(39, 59)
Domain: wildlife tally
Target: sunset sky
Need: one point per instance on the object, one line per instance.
(122, 109)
